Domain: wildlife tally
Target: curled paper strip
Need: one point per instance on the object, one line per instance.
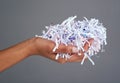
(77, 33)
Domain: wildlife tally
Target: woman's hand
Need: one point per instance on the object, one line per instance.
(44, 48)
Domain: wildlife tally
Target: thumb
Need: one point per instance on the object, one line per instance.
(88, 44)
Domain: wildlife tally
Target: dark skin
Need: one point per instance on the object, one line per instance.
(38, 46)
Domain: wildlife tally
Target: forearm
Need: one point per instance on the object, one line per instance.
(15, 54)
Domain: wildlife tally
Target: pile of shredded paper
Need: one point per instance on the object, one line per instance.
(77, 33)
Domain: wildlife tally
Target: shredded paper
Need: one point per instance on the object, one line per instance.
(77, 33)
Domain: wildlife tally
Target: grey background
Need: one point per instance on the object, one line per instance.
(22, 19)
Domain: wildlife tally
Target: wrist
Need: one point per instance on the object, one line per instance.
(38, 45)
(31, 48)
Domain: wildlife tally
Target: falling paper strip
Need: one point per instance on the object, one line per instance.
(77, 33)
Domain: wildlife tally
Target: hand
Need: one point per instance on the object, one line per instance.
(44, 48)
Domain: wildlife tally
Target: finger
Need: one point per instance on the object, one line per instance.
(75, 58)
(66, 49)
(59, 60)
(88, 44)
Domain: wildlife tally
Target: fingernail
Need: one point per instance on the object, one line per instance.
(75, 50)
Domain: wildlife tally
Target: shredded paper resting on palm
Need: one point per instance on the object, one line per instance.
(77, 33)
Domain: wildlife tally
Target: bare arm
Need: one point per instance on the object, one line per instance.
(14, 54)
(35, 46)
